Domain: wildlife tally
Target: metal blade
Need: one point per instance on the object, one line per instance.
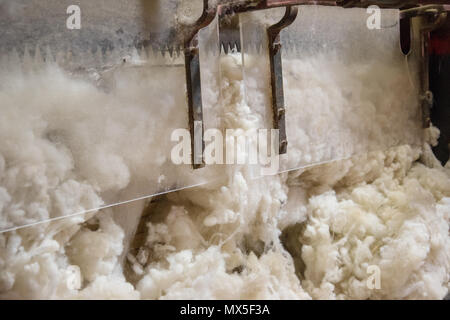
(229, 33)
(117, 132)
(90, 34)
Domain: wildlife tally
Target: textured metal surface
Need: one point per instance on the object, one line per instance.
(276, 74)
(193, 85)
(230, 38)
(194, 96)
(118, 26)
(110, 30)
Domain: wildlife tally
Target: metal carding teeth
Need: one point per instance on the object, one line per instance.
(229, 33)
(238, 47)
(224, 47)
(170, 49)
(230, 47)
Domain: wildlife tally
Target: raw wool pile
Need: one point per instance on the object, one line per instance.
(382, 209)
(394, 217)
(307, 234)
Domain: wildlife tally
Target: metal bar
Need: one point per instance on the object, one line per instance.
(430, 10)
(276, 75)
(193, 85)
(398, 4)
(250, 5)
(194, 96)
(282, 3)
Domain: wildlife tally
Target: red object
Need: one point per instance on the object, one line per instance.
(440, 39)
(440, 46)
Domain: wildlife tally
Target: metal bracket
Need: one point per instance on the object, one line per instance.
(193, 84)
(276, 75)
(192, 61)
(395, 4)
(380, 3)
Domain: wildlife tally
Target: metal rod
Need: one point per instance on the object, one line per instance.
(251, 5)
(276, 75)
(193, 85)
